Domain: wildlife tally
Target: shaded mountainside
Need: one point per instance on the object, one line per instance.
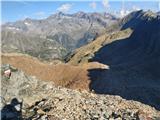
(134, 62)
(134, 65)
(54, 36)
(25, 97)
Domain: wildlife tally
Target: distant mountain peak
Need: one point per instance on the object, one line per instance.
(27, 19)
(81, 14)
(60, 13)
(57, 15)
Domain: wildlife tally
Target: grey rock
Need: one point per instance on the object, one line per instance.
(60, 103)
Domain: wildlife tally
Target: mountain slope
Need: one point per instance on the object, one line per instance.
(42, 48)
(26, 97)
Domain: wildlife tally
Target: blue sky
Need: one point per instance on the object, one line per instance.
(17, 10)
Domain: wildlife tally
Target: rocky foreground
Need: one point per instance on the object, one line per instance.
(25, 97)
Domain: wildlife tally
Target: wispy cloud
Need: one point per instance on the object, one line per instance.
(134, 8)
(105, 3)
(65, 7)
(124, 13)
(93, 5)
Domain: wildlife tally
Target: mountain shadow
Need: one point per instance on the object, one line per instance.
(134, 63)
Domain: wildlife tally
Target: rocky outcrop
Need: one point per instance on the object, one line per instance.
(25, 97)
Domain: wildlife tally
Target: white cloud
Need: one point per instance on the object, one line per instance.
(105, 3)
(124, 13)
(135, 8)
(93, 5)
(65, 7)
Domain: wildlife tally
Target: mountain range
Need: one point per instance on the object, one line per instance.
(55, 36)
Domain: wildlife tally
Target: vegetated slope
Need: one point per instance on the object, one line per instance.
(75, 77)
(61, 74)
(134, 64)
(26, 97)
(55, 36)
